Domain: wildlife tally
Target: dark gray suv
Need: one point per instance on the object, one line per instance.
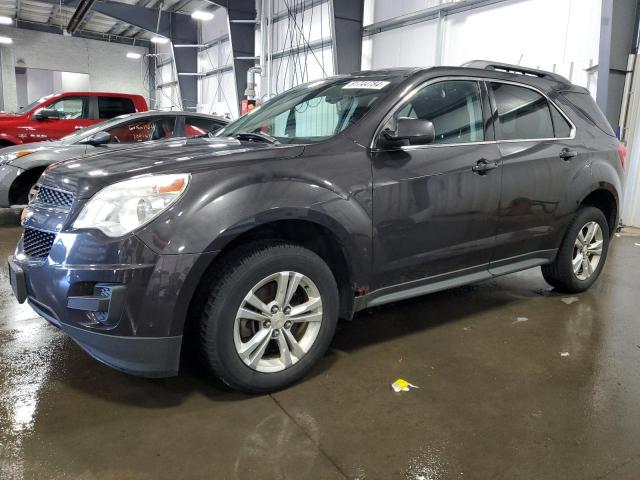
(338, 195)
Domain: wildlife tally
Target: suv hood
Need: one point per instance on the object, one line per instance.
(92, 173)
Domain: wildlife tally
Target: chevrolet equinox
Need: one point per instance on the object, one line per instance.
(338, 195)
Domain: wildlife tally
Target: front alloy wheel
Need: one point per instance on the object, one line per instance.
(270, 314)
(278, 321)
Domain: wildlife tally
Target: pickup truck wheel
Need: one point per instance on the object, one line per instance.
(582, 253)
(269, 317)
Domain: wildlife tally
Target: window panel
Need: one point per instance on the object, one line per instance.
(561, 127)
(109, 107)
(143, 130)
(72, 108)
(454, 107)
(197, 126)
(522, 113)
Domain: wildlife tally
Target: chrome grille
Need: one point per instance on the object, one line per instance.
(52, 196)
(37, 243)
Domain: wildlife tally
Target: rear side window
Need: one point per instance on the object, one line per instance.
(454, 108)
(523, 114)
(109, 107)
(198, 126)
(586, 107)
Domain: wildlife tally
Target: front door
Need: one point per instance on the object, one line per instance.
(73, 114)
(435, 205)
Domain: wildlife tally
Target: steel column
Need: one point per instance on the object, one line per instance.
(346, 21)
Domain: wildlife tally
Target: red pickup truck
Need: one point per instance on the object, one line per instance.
(54, 116)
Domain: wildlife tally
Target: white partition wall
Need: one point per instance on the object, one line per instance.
(560, 35)
(217, 87)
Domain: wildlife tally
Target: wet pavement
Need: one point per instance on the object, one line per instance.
(515, 383)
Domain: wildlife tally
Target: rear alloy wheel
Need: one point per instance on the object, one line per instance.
(582, 253)
(269, 317)
(587, 250)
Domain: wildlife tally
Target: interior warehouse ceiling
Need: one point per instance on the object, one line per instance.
(52, 15)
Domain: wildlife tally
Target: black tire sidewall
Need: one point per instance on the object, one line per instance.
(230, 367)
(565, 256)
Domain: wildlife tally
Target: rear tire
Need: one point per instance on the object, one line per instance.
(267, 344)
(582, 253)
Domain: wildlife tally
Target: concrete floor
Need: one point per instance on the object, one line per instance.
(497, 398)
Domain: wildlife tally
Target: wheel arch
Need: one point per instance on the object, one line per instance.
(314, 235)
(25, 180)
(604, 197)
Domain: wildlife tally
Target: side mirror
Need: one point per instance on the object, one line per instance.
(411, 131)
(46, 114)
(99, 138)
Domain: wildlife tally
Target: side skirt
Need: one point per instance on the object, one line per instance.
(458, 278)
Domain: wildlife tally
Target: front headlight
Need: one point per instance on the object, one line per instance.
(125, 206)
(9, 157)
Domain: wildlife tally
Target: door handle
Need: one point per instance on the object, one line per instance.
(482, 166)
(77, 127)
(566, 154)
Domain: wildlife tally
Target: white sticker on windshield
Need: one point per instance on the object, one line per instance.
(370, 84)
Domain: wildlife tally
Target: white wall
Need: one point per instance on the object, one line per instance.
(217, 93)
(106, 64)
(534, 33)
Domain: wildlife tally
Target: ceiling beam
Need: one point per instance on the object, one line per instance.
(82, 10)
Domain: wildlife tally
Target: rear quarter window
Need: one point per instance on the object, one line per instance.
(584, 105)
(110, 107)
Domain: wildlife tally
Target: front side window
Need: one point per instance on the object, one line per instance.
(314, 112)
(198, 126)
(523, 114)
(143, 130)
(110, 107)
(71, 108)
(453, 106)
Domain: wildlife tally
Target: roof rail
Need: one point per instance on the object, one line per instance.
(517, 69)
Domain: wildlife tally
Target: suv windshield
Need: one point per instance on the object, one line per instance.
(26, 108)
(313, 112)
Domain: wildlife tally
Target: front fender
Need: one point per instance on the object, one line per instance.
(212, 221)
(11, 138)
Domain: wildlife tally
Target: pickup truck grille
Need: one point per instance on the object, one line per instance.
(37, 243)
(51, 196)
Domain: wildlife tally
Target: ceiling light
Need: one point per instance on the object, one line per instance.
(133, 55)
(159, 40)
(6, 40)
(5, 20)
(202, 15)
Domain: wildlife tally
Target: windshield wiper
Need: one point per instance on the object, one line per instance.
(260, 136)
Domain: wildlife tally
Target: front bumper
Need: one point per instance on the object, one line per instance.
(137, 325)
(8, 175)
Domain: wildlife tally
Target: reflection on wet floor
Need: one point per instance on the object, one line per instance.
(497, 398)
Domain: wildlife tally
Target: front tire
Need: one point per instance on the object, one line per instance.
(270, 316)
(582, 253)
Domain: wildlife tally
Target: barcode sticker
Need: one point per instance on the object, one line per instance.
(370, 84)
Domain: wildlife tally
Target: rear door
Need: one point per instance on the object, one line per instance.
(539, 156)
(74, 113)
(434, 212)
